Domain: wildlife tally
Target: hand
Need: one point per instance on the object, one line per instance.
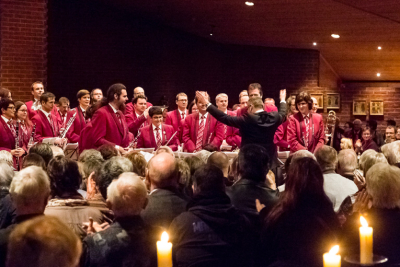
(282, 95)
(202, 97)
(358, 143)
(259, 206)
(362, 202)
(91, 187)
(128, 149)
(271, 180)
(146, 112)
(19, 152)
(359, 180)
(93, 227)
(121, 151)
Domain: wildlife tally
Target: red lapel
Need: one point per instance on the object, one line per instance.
(152, 139)
(9, 133)
(116, 120)
(46, 122)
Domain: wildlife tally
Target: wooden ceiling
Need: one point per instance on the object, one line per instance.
(362, 24)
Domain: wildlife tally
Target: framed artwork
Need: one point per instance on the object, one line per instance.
(333, 101)
(376, 107)
(320, 100)
(360, 107)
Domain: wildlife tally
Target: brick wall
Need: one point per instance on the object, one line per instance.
(23, 35)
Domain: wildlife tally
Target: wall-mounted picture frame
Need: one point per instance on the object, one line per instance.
(333, 101)
(376, 108)
(360, 107)
(320, 100)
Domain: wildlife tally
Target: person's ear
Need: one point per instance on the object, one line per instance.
(115, 96)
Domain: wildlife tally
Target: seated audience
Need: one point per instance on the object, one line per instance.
(346, 143)
(6, 156)
(108, 151)
(397, 133)
(66, 203)
(165, 149)
(372, 159)
(347, 163)
(184, 175)
(375, 134)
(211, 232)
(348, 126)
(43, 241)
(383, 191)
(392, 153)
(221, 161)
(390, 134)
(30, 190)
(165, 200)
(43, 150)
(336, 186)
(7, 209)
(355, 132)
(57, 151)
(128, 241)
(139, 163)
(33, 159)
(303, 225)
(252, 184)
(366, 143)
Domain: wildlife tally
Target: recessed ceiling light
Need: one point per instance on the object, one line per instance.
(249, 3)
(210, 34)
(334, 35)
(378, 74)
(314, 43)
(379, 48)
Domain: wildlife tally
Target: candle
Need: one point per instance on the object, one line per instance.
(331, 259)
(164, 251)
(366, 254)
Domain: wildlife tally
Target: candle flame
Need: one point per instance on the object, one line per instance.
(164, 237)
(334, 250)
(363, 221)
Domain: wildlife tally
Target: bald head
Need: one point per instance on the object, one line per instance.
(220, 160)
(138, 91)
(162, 171)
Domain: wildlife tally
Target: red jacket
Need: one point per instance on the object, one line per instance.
(295, 136)
(233, 137)
(174, 119)
(77, 126)
(7, 140)
(32, 113)
(280, 137)
(147, 140)
(108, 129)
(213, 132)
(85, 138)
(134, 122)
(43, 127)
(129, 108)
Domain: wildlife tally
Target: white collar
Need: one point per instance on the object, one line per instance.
(45, 113)
(154, 127)
(258, 111)
(115, 111)
(307, 115)
(205, 115)
(182, 112)
(5, 119)
(82, 109)
(138, 115)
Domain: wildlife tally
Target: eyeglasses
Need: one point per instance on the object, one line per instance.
(12, 108)
(23, 110)
(183, 100)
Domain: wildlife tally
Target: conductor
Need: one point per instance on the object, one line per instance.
(256, 126)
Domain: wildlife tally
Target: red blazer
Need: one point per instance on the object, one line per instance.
(43, 127)
(294, 135)
(77, 126)
(174, 119)
(86, 138)
(134, 123)
(7, 140)
(147, 140)
(280, 137)
(212, 128)
(233, 137)
(107, 128)
(129, 108)
(32, 113)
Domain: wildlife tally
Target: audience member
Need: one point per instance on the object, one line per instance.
(390, 134)
(108, 151)
(43, 150)
(66, 203)
(7, 209)
(304, 213)
(371, 159)
(184, 175)
(347, 163)
(375, 134)
(221, 161)
(382, 191)
(355, 132)
(6, 156)
(165, 200)
(139, 163)
(165, 149)
(336, 186)
(392, 153)
(252, 172)
(33, 159)
(194, 163)
(30, 190)
(212, 232)
(398, 133)
(43, 241)
(57, 151)
(348, 126)
(391, 122)
(346, 143)
(366, 143)
(128, 241)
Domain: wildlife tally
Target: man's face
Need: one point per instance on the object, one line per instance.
(357, 126)
(64, 107)
(84, 101)
(138, 91)
(244, 93)
(303, 107)
(9, 112)
(222, 103)
(254, 93)
(38, 90)
(202, 108)
(390, 133)
(48, 106)
(182, 102)
(141, 105)
(97, 95)
(398, 134)
(315, 105)
(122, 99)
(243, 101)
(293, 109)
(157, 119)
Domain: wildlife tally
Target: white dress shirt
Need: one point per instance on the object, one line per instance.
(6, 120)
(155, 132)
(205, 117)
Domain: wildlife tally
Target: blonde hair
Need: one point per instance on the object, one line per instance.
(220, 95)
(372, 159)
(6, 157)
(347, 144)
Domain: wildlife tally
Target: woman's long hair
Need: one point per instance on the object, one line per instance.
(304, 182)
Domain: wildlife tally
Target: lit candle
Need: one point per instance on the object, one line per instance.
(331, 259)
(366, 254)
(164, 251)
